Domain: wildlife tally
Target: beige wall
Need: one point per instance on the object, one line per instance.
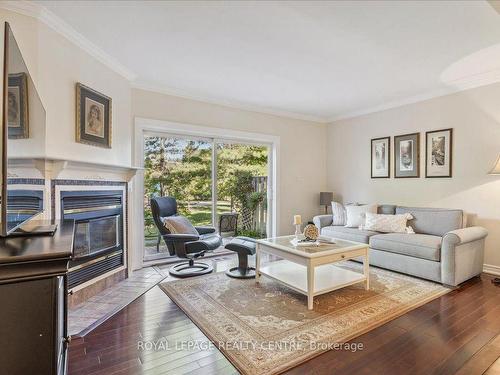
(302, 159)
(56, 65)
(475, 117)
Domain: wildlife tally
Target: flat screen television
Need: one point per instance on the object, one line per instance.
(22, 141)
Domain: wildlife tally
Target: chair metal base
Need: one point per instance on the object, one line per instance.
(190, 269)
(241, 273)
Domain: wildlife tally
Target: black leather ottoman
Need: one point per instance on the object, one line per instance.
(243, 246)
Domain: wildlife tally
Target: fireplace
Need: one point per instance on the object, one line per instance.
(96, 236)
(99, 227)
(23, 204)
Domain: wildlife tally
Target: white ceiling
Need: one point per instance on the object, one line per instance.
(319, 60)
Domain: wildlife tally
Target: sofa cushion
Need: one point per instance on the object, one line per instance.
(339, 216)
(435, 221)
(422, 246)
(356, 214)
(350, 234)
(386, 223)
(338, 213)
(386, 209)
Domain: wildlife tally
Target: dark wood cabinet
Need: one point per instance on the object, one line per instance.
(33, 305)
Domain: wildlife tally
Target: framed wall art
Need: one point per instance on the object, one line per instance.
(438, 153)
(17, 111)
(93, 117)
(407, 155)
(380, 157)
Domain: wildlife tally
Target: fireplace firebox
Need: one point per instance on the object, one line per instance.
(98, 238)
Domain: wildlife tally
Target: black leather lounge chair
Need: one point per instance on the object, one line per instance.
(186, 246)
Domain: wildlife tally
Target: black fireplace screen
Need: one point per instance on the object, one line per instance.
(96, 235)
(98, 241)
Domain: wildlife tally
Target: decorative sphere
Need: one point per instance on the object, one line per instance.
(311, 232)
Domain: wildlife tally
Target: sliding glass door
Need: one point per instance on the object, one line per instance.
(242, 177)
(179, 168)
(216, 182)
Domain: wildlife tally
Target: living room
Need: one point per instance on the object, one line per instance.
(219, 187)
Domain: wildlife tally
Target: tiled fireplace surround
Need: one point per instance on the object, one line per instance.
(56, 176)
(89, 288)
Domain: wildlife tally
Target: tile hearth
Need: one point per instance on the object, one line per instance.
(113, 299)
(87, 315)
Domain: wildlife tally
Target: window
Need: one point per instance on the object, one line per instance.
(209, 178)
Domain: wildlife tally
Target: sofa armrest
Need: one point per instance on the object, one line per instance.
(462, 254)
(322, 221)
(465, 235)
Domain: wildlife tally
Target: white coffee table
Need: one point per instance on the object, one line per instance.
(310, 270)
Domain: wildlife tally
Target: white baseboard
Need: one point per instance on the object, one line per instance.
(491, 269)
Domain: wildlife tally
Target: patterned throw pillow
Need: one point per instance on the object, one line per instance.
(339, 215)
(386, 223)
(179, 225)
(355, 214)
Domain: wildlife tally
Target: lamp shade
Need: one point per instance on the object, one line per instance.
(325, 198)
(496, 167)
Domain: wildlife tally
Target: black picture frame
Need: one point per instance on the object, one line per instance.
(413, 160)
(447, 170)
(373, 142)
(93, 117)
(17, 101)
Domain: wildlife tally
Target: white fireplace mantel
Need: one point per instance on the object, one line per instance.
(55, 168)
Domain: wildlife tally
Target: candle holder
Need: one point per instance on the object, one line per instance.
(297, 220)
(298, 232)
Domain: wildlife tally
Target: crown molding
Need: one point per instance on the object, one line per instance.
(390, 105)
(452, 87)
(226, 103)
(44, 15)
(39, 12)
(31, 9)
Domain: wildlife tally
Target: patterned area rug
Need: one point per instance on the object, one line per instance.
(266, 328)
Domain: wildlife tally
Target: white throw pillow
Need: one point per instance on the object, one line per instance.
(386, 223)
(338, 212)
(356, 214)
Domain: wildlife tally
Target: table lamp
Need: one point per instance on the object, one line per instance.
(496, 171)
(325, 199)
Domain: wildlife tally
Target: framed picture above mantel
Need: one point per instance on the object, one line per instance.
(407, 155)
(438, 153)
(93, 117)
(380, 157)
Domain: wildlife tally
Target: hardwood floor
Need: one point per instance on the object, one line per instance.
(456, 333)
(481, 361)
(437, 338)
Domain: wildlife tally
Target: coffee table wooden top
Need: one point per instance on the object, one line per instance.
(324, 249)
